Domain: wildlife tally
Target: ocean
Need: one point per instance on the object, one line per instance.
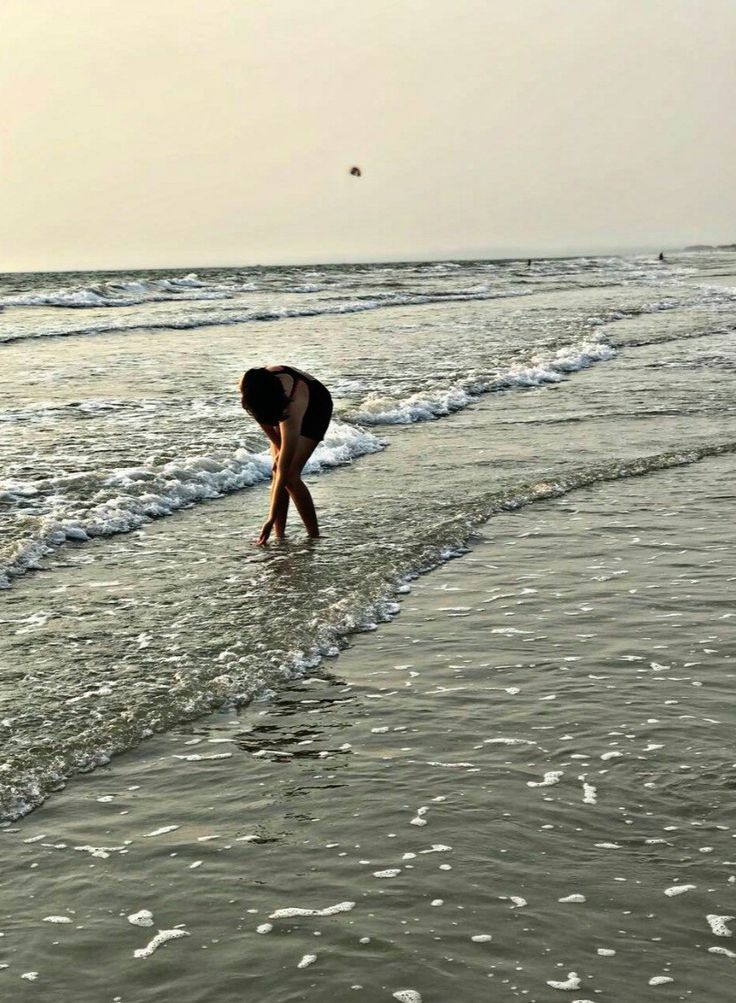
(472, 742)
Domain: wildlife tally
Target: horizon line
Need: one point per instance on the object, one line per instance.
(508, 256)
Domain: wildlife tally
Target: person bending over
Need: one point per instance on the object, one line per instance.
(294, 410)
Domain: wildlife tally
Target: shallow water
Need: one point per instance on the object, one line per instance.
(548, 719)
(587, 410)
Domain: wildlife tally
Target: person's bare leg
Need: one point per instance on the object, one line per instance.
(279, 526)
(302, 498)
(299, 491)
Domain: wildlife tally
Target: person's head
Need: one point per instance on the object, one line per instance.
(262, 396)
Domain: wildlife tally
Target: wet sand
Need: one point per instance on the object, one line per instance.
(520, 788)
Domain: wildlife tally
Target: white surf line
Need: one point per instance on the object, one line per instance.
(170, 488)
(541, 369)
(440, 403)
(212, 477)
(28, 796)
(230, 315)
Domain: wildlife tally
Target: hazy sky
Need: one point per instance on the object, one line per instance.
(195, 132)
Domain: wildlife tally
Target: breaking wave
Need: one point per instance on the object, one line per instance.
(427, 406)
(227, 316)
(128, 498)
(365, 597)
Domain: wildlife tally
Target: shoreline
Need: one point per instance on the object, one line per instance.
(498, 766)
(521, 785)
(383, 606)
(202, 549)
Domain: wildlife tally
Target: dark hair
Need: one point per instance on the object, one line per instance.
(263, 396)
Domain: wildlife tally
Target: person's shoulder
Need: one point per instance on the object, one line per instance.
(286, 380)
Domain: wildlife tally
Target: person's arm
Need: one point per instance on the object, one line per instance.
(274, 441)
(290, 430)
(274, 436)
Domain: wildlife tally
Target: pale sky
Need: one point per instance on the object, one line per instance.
(143, 133)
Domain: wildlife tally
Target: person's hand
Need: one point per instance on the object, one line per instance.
(265, 532)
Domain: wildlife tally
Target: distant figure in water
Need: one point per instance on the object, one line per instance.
(529, 263)
(294, 410)
(661, 255)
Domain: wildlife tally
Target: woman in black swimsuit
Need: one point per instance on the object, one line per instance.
(294, 410)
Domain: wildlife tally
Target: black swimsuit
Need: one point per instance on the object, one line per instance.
(319, 410)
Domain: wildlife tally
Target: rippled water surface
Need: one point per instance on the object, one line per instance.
(548, 717)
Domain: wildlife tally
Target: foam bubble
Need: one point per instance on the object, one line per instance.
(103, 852)
(142, 918)
(419, 817)
(590, 794)
(550, 778)
(507, 741)
(572, 982)
(162, 831)
(161, 938)
(678, 889)
(331, 910)
(718, 925)
(307, 960)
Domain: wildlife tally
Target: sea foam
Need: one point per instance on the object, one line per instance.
(441, 401)
(130, 497)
